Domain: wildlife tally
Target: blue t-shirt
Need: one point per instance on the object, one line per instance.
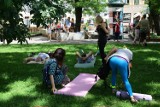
(68, 23)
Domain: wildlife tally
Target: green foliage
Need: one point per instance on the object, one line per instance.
(12, 26)
(47, 10)
(154, 36)
(21, 84)
(92, 7)
(43, 11)
(154, 5)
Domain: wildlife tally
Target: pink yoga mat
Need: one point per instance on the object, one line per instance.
(79, 86)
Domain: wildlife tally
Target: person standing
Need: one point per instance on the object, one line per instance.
(72, 25)
(117, 30)
(67, 24)
(144, 30)
(49, 32)
(136, 29)
(49, 22)
(103, 30)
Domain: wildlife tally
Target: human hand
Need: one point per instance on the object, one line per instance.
(106, 58)
(103, 25)
(54, 89)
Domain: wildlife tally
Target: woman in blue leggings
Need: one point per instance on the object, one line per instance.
(120, 60)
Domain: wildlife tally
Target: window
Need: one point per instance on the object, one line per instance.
(127, 1)
(136, 2)
(127, 17)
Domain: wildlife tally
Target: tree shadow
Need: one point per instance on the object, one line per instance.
(21, 84)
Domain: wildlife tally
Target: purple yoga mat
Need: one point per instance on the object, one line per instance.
(79, 86)
(137, 96)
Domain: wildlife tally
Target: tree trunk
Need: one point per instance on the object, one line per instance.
(3, 42)
(78, 13)
(157, 24)
(156, 19)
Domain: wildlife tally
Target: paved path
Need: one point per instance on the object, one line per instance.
(42, 39)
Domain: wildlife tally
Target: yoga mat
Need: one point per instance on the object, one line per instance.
(79, 86)
(137, 96)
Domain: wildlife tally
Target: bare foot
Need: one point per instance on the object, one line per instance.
(133, 100)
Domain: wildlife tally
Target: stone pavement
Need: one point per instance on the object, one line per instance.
(42, 39)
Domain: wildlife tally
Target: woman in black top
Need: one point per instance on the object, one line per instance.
(102, 30)
(72, 25)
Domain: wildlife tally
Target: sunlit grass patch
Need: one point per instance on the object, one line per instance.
(19, 88)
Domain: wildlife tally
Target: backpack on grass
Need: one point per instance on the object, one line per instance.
(103, 71)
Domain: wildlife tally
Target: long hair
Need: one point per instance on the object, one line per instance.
(99, 19)
(59, 55)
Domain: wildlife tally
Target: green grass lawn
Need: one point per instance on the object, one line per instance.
(21, 84)
(153, 36)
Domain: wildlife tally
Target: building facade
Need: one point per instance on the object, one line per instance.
(132, 7)
(125, 10)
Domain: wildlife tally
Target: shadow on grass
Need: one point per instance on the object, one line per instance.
(21, 84)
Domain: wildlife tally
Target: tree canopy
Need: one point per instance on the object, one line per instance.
(12, 26)
(44, 10)
(154, 6)
(87, 7)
